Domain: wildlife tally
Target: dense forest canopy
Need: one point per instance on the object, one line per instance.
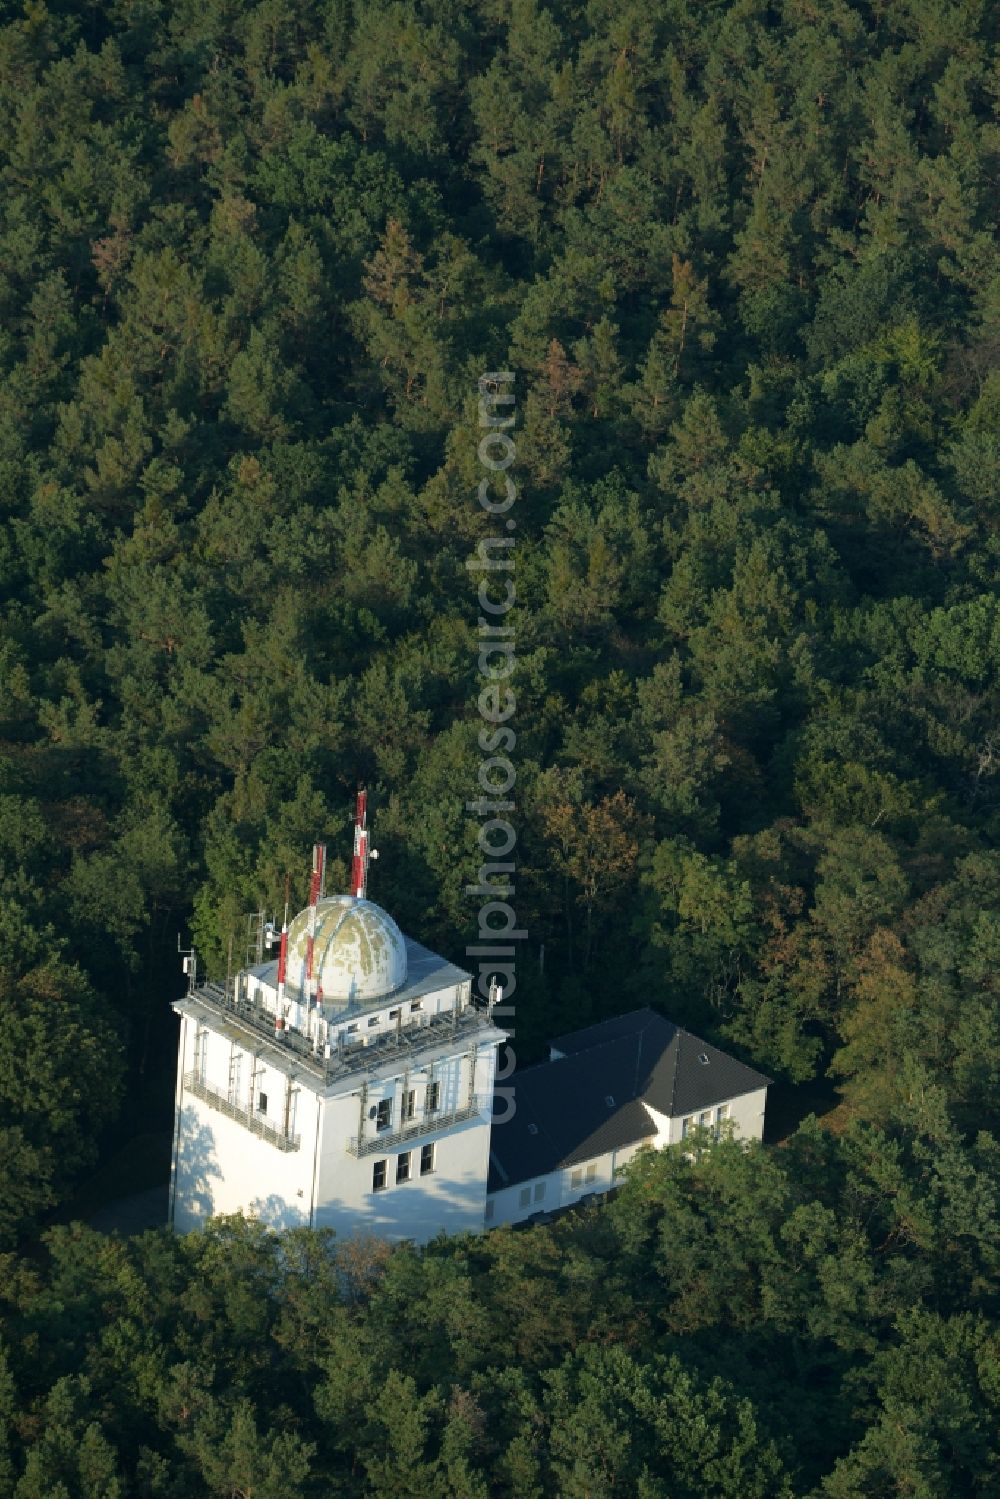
(813, 1320)
(742, 259)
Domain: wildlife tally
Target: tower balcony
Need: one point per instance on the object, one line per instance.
(413, 1131)
(216, 1099)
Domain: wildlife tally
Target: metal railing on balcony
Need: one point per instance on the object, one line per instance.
(412, 1130)
(216, 1099)
(344, 1060)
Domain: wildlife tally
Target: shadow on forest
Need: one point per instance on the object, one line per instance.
(789, 1103)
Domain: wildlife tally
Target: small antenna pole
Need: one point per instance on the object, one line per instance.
(190, 964)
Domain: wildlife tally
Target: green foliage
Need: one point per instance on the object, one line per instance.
(60, 1063)
(743, 263)
(814, 1319)
(26, 1172)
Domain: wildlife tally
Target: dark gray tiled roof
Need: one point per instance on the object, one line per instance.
(562, 1115)
(604, 1030)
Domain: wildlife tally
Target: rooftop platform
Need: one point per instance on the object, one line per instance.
(426, 973)
(420, 1040)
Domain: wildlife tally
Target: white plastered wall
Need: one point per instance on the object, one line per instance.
(450, 1199)
(220, 1166)
(559, 1188)
(746, 1112)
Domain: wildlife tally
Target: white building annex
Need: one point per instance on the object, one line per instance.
(607, 1091)
(350, 1084)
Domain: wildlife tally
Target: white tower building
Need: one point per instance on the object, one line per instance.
(346, 1085)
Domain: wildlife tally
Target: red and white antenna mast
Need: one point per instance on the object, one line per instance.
(283, 953)
(362, 853)
(316, 887)
(279, 1008)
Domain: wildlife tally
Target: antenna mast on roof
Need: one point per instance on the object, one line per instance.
(362, 851)
(316, 885)
(283, 951)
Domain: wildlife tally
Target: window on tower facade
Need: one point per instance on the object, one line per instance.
(403, 1167)
(378, 1176)
(433, 1097)
(383, 1114)
(426, 1160)
(409, 1102)
(262, 1103)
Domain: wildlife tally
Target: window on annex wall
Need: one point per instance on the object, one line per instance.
(576, 1179)
(591, 1172)
(383, 1114)
(409, 1104)
(378, 1176)
(687, 1126)
(705, 1119)
(403, 1167)
(526, 1197)
(721, 1115)
(433, 1097)
(426, 1160)
(539, 1191)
